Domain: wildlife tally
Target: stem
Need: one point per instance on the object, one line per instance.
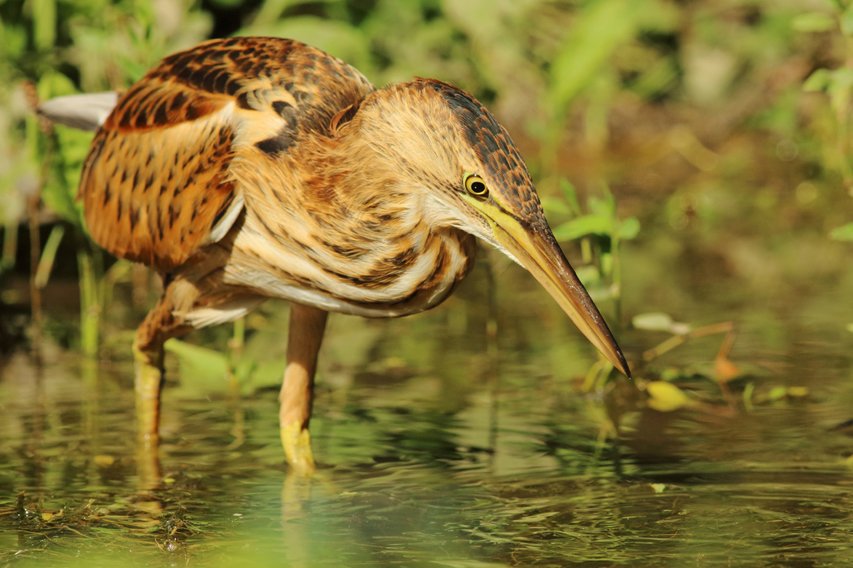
(48, 256)
(35, 253)
(10, 245)
(89, 306)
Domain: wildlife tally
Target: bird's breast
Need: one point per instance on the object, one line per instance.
(365, 269)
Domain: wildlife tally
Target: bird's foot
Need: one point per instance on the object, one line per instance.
(297, 447)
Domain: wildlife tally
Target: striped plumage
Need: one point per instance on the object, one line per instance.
(250, 168)
(217, 133)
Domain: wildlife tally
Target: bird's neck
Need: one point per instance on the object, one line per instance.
(343, 222)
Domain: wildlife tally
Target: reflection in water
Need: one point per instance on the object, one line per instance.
(436, 448)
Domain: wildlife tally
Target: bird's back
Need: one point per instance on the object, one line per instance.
(158, 185)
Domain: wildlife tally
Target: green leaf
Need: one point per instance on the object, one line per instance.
(601, 28)
(842, 233)
(666, 397)
(554, 205)
(841, 78)
(817, 81)
(777, 393)
(813, 22)
(582, 226)
(44, 23)
(628, 229)
(571, 196)
(847, 21)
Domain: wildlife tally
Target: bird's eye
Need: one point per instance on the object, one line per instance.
(476, 186)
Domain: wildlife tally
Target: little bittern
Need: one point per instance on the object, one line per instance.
(250, 168)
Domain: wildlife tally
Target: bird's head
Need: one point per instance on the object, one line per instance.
(442, 145)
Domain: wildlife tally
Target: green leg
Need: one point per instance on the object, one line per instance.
(297, 392)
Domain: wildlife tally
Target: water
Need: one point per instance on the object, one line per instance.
(439, 448)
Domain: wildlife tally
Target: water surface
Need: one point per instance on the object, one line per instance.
(438, 447)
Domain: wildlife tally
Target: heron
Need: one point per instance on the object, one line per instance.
(251, 168)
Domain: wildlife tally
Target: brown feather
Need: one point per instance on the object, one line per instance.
(158, 176)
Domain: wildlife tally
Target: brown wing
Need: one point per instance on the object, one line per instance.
(156, 185)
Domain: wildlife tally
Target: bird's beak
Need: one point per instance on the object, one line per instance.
(537, 250)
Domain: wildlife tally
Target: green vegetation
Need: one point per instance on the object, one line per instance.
(716, 125)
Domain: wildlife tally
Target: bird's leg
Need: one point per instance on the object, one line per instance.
(160, 324)
(148, 380)
(304, 338)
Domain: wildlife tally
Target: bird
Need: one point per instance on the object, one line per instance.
(250, 168)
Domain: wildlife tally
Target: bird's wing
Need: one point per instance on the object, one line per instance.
(156, 186)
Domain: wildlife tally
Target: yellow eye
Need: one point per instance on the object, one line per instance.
(476, 186)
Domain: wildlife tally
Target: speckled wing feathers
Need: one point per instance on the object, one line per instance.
(157, 179)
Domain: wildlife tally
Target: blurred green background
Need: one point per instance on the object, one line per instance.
(707, 140)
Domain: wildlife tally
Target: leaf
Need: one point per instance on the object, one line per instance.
(554, 205)
(659, 321)
(653, 321)
(571, 196)
(628, 229)
(105, 460)
(798, 392)
(601, 28)
(777, 393)
(817, 81)
(725, 370)
(847, 21)
(813, 22)
(582, 226)
(842, 233)
(44, 23)
(666, 397)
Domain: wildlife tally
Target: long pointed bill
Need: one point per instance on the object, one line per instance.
(538, 251)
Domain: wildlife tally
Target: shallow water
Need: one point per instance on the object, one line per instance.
(440, 448)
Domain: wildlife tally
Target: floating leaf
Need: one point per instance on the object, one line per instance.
(658, 487)
(798, 392)
(666, 397)
(777, 393)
